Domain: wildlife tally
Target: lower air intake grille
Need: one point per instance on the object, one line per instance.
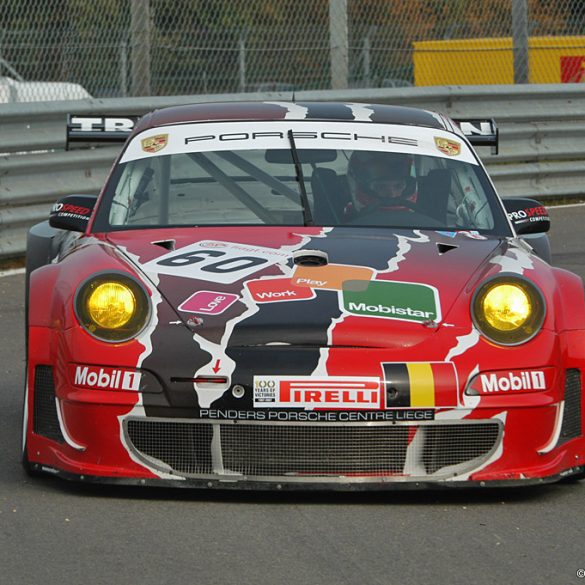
(571, 427)
(320, 450)
(313, 450)
(45, 419)
(184, 447)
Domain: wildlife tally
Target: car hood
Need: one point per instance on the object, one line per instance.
(257, 286)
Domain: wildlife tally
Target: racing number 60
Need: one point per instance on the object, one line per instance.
(207, 256)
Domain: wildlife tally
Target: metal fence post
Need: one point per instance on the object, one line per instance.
(520, 41)
(338, 43)
(242, 62)
(140, 25)
(123, 69)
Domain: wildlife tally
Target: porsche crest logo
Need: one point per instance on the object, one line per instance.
(155, 143)
(449, 147)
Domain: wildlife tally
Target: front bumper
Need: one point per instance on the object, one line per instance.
(109, 436)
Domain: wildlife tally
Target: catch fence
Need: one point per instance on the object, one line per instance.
(72, 49)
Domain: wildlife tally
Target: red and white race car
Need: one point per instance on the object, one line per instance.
(300, 295)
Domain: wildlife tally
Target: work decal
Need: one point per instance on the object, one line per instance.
(271, 290)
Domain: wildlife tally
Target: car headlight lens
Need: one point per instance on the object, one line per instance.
(112, 307)
(508, 310)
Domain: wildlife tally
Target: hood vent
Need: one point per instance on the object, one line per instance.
(310, 258)
(444, 248)
(166, 244)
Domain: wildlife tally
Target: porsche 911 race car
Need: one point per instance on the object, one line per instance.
(300, 295)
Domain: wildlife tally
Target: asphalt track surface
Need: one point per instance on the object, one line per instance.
(55, 532)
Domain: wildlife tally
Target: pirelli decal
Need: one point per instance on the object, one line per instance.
(420, 384)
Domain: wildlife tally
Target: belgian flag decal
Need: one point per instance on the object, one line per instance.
(420, 384)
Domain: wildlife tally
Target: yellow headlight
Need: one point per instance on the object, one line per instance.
(508, 310)
(506, 307)
(111, 305)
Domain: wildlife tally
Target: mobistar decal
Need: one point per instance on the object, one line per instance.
(405, 301)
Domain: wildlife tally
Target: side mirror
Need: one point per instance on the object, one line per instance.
(72, 212)
(528, 216)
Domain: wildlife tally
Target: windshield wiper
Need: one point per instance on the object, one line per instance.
(307, 216)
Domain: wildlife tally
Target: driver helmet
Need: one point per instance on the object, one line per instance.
(379, 179)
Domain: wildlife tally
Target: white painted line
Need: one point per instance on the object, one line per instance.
(565, 206)
(11, 272)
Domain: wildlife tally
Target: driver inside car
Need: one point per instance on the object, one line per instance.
(380, 181)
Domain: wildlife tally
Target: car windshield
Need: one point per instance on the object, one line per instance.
(217, 174)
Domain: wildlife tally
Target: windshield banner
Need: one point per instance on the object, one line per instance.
(268, 135)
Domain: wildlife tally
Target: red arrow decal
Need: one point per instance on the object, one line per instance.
(217, 367)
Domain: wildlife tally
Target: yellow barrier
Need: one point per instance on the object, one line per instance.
(491, 61)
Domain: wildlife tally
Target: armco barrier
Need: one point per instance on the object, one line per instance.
(541, 142)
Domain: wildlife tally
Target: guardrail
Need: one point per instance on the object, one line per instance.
(541, 153)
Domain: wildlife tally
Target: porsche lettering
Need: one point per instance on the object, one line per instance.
(253, 136)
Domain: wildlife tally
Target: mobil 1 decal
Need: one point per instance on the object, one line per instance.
(405, 301)
(420, 384)
(216, 261)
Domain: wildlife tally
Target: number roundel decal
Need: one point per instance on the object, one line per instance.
(225, 263)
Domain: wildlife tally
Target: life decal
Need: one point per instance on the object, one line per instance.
(216, 261)
(404, 301)
(420, 384)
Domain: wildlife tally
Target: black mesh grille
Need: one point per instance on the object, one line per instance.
(45, 420)
(572, 412)
(313, 450)
(184, 447)
(318, 450)
(456, 444)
